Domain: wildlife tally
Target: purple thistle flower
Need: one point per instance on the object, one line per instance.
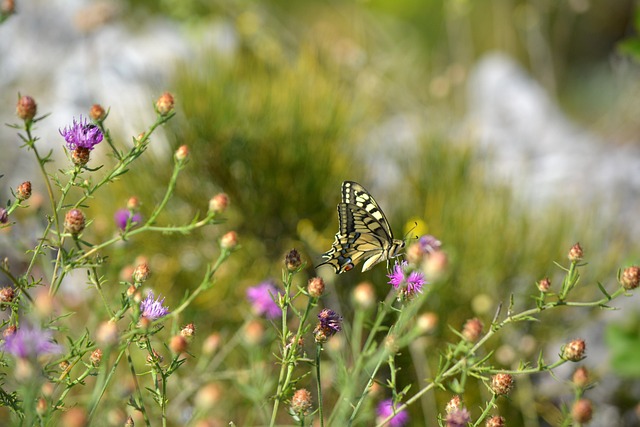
(415, 282)
(407, 286)
(261, 297)
(330, 320)
(397, 277)
(30, 342)
(81, 134)
(152, 308)
(458, 418)
(385, 410)
(429, 244)
(122, 216)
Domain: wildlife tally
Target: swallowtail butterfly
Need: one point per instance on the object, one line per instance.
(364, 233)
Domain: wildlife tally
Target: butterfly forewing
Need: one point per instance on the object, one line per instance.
(364, 232)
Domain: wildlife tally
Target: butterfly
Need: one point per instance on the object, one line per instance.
(364, 233)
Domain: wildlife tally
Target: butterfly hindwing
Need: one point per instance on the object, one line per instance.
(363, 234)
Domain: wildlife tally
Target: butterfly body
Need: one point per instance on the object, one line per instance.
(364, 233)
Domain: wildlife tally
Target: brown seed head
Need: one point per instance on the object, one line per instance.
(74, 221)
(501, 384)
(96, 112)
(292, 260)
(189, 330)
(96, 357)
(7, 294)
(301, 402)
(495, 421)
(472, 329)
(141, 273)
(454, 404)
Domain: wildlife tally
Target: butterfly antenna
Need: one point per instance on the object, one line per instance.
(415, 224)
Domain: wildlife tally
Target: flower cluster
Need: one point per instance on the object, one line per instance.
(29, 342)
(406, 281)
(329, 323)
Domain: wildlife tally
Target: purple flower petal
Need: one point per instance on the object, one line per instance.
(30, 342)
(152, 308)
(261, 297)
(123, 215)
(81, 134)
(385, 409)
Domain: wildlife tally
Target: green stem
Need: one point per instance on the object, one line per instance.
(319, 382)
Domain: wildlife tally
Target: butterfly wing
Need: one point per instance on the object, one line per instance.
(364, 232)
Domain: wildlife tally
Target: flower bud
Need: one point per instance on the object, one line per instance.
(575, 253)
(630, 278)
(41, 406)
(6, 295)
(188, 331)
(292, 260)
(454, 404)
(96, 357)
(208, 396)
(229, 240)
(164, 104)
(581, 377)
(574, 351)
(26, 109)
(4, 216)
(427, 322)
(253, 332)
(133, 204)
(501, 384)
(544, 285)
(23, 192)
(219, 203)
(301, 402)
(74, 417)
(10, 330)
(472, 329)
(107, 333)
(97, 113)
(495, 421)
(364, 295)
(182, 153)
(178, 344)
(141, 273)
(211, 344)
(8, 7)
(315, 287)
(582, 411)
(74, 221)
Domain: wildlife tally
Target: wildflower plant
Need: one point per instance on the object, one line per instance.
(302, 356)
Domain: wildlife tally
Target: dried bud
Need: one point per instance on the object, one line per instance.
(575, 253)
(74, 221)
(97, 113)
(501, 384)
(178, 344)
(23, 192)
(164, 104)
(544, 285)
(574, 351)
(189, 330)
(301, 402)
(630, 278)
(154, 357)
(41, 406)
(315, 287)
(472, 329)
(9, 331)
(581, 377)
(129, 422)
(96, 357)
(80, 156)
(292, 260)
(454, 404)
(64, 365)
(582, 411)
(182, 153)
(7, 294)
(133, 204)
(141, 273)
(26, 108)
(364, 295)
(229, 240)
(458, 418)
(495, 421)
(219, 203)
(4, 216)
